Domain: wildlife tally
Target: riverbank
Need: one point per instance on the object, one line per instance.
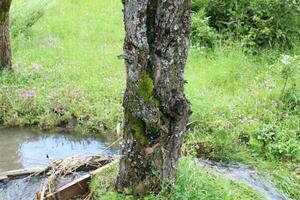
(29, 148)
(67, 75)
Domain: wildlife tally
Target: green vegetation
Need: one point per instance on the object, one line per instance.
(193, 182)
(255, 23)
(138, 130)
(246, 108)
(25, 14)
(145, 88)
(239, 102)
(65, 67)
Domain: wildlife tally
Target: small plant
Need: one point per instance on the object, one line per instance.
(290, 93)
(267, 134)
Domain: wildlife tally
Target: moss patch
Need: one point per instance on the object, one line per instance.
(145, 88)
(138, 129)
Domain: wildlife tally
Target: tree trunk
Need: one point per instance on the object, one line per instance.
(5, 49)
(156, 109)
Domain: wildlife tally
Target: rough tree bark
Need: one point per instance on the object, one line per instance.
(156, 109)
(5, 49)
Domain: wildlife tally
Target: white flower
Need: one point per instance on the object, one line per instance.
(286, 59)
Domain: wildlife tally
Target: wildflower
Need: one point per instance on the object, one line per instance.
(26, 94)
(286, 59)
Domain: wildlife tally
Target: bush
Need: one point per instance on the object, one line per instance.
(198, 5)
(257, 23)
(202, 34)
(290, 94)
(279, 141)
(291, 98)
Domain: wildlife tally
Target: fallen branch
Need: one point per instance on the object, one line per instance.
(79, 186)
(22, 172)
(3, 178)
(61, 168)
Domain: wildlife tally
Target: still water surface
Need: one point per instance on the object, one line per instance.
(25, 148)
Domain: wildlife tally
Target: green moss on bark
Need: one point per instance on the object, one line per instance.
(145, 88)
(138, 128)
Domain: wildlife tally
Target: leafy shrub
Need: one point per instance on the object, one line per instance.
(291, 98)
(198, 5)
(257, 23)
(202, 34)
(290, 94)
(279, 142)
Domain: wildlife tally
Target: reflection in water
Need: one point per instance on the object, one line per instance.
(24, 148)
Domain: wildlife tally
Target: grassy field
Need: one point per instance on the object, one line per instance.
(68, 61)
(67, 74)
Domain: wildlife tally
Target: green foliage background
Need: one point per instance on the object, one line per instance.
(256, 23)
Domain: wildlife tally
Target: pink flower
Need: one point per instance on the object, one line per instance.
(26, 94)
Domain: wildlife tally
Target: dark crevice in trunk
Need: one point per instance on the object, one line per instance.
(151, 17)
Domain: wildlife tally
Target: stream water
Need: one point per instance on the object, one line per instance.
(244, 174)
(26, 148)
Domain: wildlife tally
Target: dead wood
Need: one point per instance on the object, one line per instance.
(61, 168)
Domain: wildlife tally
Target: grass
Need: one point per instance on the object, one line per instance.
(68, 60)
(193, 182)
(66, 69)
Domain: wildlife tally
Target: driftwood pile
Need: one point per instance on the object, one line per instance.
(59, 169)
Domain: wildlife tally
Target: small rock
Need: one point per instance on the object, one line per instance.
(297, 170)
(102, 127)
(59, 110)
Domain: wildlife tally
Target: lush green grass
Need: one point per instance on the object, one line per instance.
(66, 69)
(240, 116)
(68, 59)
(193, 182)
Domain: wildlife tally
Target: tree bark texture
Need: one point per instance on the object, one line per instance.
(156, 109)
(5, 49)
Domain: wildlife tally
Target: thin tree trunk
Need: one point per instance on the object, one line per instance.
(156, 109)
(5, 49)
